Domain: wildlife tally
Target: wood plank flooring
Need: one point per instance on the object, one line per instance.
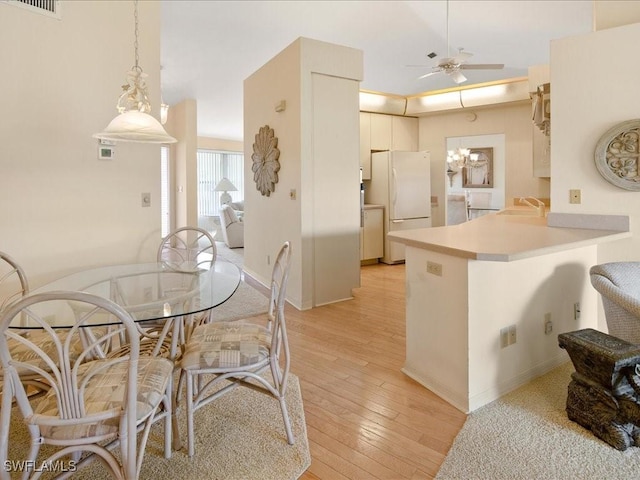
(365, 418)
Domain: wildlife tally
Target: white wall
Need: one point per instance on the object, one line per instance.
(595, 87)
(182, 124)
(61, 208)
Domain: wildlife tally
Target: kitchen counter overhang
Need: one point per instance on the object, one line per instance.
(505, 238)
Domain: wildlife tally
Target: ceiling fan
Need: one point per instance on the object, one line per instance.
(452, 65)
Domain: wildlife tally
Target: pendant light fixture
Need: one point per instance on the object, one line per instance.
(134, 122)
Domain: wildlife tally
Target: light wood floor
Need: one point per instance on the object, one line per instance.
(365, 418)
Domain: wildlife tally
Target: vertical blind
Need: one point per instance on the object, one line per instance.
(214, 165)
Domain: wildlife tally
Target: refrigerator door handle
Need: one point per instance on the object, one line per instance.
(394, 177)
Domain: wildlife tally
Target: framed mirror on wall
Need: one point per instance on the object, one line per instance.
(479, 171)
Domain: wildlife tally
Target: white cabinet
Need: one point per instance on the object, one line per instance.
(404, 133)
(380, 132)
(365, 145)
(372, 235)
(381, 126)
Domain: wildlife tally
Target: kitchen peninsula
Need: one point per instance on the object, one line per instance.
(487, 298)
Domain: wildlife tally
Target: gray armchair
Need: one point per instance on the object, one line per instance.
(619, 285)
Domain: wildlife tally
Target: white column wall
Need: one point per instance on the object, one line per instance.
(270, 220)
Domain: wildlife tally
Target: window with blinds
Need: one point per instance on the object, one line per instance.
(213, 166)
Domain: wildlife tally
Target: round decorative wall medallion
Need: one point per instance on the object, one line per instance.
(265, 160)
(617, 153)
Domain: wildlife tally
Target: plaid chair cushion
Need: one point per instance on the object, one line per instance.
(106, 391)
(226, 345)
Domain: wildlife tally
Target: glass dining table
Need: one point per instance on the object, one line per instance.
(152, 293)
(157, 296)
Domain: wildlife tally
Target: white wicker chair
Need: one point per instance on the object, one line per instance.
(239, 353)
(619, 286)
(13, 287)
(187, 249)
(91, 405)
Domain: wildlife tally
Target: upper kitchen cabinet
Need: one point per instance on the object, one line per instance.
(380, 132)
(381, 126)
(404, 133)
(540, 93)
(365, 145)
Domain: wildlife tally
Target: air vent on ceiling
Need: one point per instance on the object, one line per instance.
(50, 8)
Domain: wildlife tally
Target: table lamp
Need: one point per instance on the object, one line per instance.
(225, 186)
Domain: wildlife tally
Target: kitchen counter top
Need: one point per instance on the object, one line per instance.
(505, 238)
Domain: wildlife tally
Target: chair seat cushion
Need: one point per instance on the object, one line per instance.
(223, 345)
(105, 391)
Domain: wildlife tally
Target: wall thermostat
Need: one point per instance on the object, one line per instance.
(106, 152)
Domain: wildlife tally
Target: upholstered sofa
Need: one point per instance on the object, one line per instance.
(231, 227)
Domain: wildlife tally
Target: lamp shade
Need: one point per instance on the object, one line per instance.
(135, 126)
(225, 185)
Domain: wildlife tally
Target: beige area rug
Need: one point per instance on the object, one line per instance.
(247, 301)
(526, 435)
(238, 437)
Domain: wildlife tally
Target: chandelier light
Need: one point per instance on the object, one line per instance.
(134, 122)
(463, 158)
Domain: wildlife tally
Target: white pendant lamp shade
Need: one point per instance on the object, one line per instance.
(135, 126)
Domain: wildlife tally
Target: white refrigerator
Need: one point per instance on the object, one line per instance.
(401, 182)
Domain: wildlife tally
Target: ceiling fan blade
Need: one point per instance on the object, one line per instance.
(427, 75)
(457, 77)
(482, 66)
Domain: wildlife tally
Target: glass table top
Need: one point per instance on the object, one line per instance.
(148, 291)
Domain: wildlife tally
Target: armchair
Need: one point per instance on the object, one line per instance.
(232, 228)
(619, 286)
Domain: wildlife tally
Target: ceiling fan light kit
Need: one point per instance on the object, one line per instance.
(452, 65)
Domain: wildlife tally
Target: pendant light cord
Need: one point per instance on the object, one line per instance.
(448, 45)
(135, 34)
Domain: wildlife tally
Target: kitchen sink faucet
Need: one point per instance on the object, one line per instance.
(539, 207)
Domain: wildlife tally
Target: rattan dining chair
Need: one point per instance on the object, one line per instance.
(91, 405)
(187, 249)
(14, 286)
(240, 352)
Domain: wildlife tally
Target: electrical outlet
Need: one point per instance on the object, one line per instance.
(434, 268)
(575, 196)
(576, 311)
(548, 324)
